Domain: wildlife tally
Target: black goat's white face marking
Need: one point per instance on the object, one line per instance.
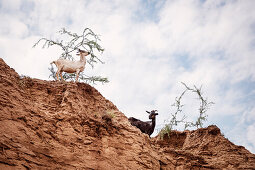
(152, 113)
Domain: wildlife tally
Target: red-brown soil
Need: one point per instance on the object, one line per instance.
(65, 125)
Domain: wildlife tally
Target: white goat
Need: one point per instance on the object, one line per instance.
(71, 66)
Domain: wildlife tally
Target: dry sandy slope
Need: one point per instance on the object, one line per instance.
(54, 125)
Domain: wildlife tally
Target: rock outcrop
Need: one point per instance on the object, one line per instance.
(65, 125)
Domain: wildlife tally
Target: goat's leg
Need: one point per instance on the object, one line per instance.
(57, 75)
(62, 79)
(77, 75)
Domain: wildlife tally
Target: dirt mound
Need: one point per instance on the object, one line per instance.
(56, 125)
(204, 148)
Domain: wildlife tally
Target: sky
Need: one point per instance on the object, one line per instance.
(151, 46)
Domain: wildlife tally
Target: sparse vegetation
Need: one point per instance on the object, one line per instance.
(165, 131)
(24, 81)
(108, 116)
(175, 121)
(88, 41)
(111, 113)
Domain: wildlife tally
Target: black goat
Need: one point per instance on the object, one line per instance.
(145, 127)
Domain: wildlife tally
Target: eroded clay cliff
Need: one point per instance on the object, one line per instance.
(65, 125)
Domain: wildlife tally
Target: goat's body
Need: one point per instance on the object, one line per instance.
(71, 66)
(145, 127)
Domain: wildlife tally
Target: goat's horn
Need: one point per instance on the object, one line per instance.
(148, 111)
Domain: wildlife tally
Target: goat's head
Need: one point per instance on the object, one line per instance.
(82, 52)
(152, 113)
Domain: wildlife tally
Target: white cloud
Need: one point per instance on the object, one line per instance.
(10, 5)
(12, 27)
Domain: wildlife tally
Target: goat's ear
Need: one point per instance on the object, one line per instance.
(148, 111)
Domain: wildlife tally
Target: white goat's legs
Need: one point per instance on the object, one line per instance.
(57, 75)
(61, 75)
(77, 75)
